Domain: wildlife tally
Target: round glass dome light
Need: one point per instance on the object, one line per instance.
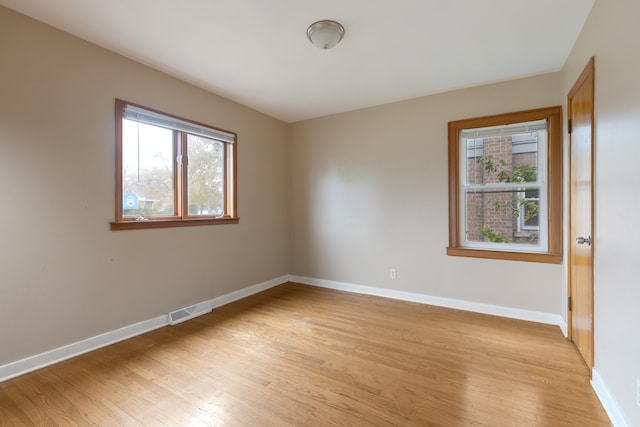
(325, 34)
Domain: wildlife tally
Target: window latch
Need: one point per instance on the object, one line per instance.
(179, 159)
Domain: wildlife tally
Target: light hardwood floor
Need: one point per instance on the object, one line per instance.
(302, 356)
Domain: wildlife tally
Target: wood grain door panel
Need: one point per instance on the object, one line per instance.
(581, 238)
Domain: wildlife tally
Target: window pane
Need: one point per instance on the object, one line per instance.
(530, 203)
(205, 173)
(147, 170)
(495, 216)
(500, 159)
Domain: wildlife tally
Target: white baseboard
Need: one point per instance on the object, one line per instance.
(59, 354)
(495, 310)
(608, 402)
(564, 327)
(20, 367)
(243, 293)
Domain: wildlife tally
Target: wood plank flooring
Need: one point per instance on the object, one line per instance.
(302, 356)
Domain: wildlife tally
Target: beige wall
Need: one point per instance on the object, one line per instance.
(612, 35)
(64, 275)
(369, 193)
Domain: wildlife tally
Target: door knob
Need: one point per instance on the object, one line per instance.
(584, 240)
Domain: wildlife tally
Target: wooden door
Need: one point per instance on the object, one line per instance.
(581, 239)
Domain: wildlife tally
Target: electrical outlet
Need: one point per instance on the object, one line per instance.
(393, 274)
(638, 392)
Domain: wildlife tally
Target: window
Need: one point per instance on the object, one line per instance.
(505, 195)
(172, 172)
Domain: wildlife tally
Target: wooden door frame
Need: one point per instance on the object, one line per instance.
(589, 70)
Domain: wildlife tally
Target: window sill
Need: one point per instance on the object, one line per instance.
(548, 258)
(170, 223)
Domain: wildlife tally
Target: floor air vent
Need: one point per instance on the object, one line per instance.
(190, 312)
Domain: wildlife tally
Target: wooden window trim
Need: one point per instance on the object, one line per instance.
(181, 219)
(554, 179)
(170, 223)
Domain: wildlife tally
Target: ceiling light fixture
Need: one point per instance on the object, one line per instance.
(325, 34)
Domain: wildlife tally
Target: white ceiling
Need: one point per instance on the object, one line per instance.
(256, 52)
